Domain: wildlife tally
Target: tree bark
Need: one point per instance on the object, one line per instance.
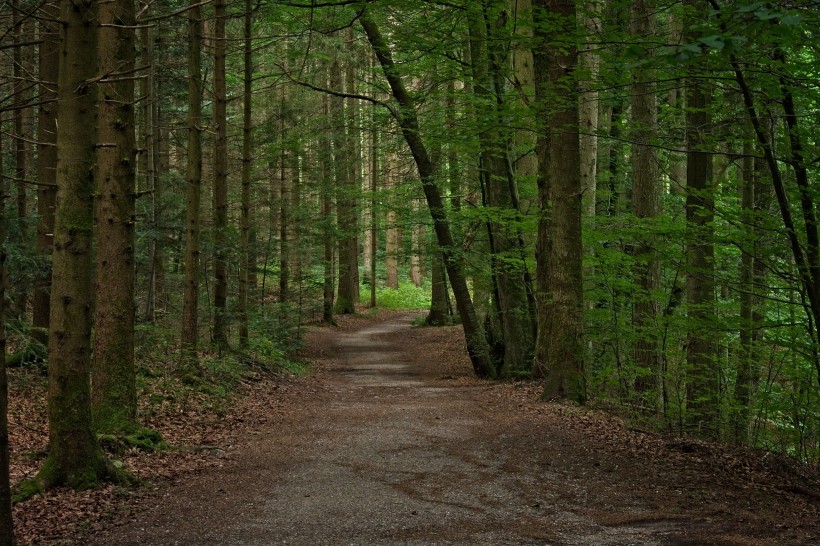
(247, 166)
(220, 334)
(645, 206)
(46, 163)
(114, 394)
(349, 188)
(703, 384)
(509, 270)
(477, 346)
(559, 347)
(190, 301)
(6, 521)
(74, 457)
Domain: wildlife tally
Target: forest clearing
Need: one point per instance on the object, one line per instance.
(384, 443)
(607, 207)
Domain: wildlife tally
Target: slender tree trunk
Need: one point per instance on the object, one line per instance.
(392, 242)
(374, 215)
(752, 277)
(349, 188)
(326, 162)
(283, 203)
(46, 162)
(646, 191)
(6, 522)
(247, 165)
(220, 335)
(149, 163)
(114, 394)
(74, 457)
(559, 348)
(22, 96)
(190, 302)
(477, 346)
(589, 61)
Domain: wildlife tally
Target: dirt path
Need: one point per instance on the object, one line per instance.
(399, 445)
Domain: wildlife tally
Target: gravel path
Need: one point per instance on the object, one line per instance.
(395, 447)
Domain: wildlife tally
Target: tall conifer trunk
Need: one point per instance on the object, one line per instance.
(190, 296)
(114, 396)
(74, 457)
(247, 164)
(46, 162)
(220, 334)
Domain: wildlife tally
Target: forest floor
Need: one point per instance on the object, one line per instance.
(391, 440)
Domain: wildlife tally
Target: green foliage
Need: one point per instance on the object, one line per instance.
(406, 297)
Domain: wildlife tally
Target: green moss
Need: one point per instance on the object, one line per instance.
(26, 489)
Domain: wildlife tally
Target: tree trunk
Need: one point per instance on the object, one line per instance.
(283, 205)
(22, 96)
(590, 61)
(326, 161)
(114, 394)
(374, 215)
(247, 165)
(6, 522)
(559, 347)
(74, 457)
(349, 188)
(46, 163)
(645, 205)
(220, 334)
(752, 277)
(510, 277)
(392, 242)
(190, 302)
(703, 383)
(477, 346)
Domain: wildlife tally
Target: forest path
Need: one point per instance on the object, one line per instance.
(400, 445)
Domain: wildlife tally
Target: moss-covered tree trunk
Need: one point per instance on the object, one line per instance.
(74, 457)
(190, 295)
(46, 163)
(114, 396)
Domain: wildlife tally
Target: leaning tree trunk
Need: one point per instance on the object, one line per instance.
(190, 295)
(477, 345)
(114, 396)
(74, 457)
